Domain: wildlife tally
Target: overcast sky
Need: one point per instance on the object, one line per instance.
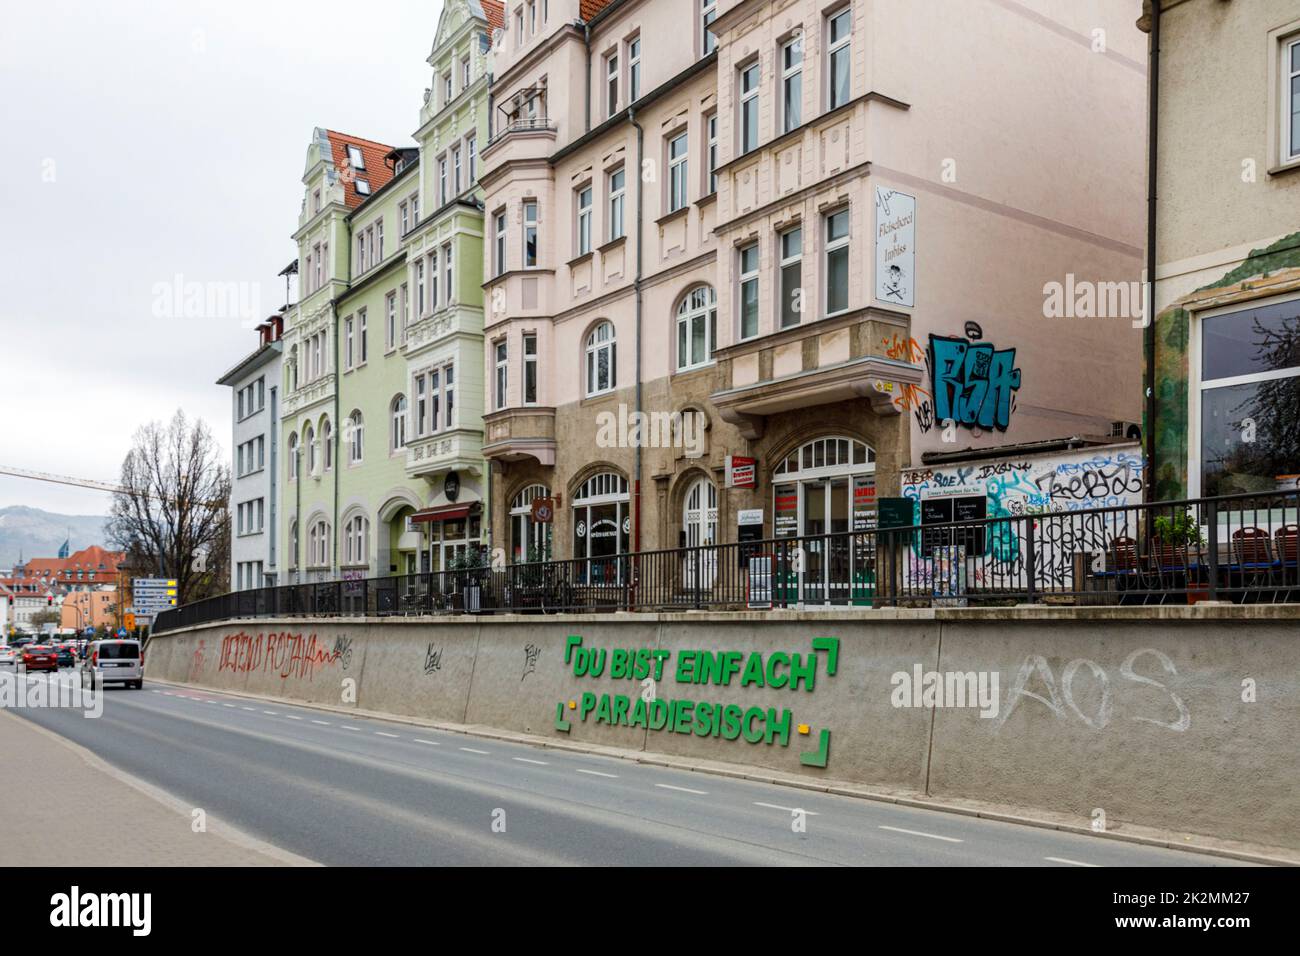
(146, 140)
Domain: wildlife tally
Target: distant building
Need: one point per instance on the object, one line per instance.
(254, 487)
(83, 609)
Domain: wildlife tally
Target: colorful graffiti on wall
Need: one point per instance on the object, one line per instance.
(973, 383)
(1071, 482)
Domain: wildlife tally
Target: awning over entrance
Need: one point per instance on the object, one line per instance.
(445, 512)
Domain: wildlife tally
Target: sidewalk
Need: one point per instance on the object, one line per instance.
(54, 792)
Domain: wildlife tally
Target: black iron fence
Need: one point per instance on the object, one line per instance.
(1239, 548)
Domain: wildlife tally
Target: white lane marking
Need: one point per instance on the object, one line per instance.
(248, 708)
(1061, 859)
(346, 727)
(669, 786)
(157, 692)
(471, 750)
(167, 692)
(380, 733)
(292, 717)
(773, 806)
(597, 773)
(932, 836)
(540, 763)
(323, 723)
(431, 743)
(228, 705)
(271, 712)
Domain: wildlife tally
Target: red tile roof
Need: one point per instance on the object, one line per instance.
(377, 172)
(495, 13)
(589, 8)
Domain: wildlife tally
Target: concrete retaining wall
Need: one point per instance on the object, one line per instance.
(1179, 718)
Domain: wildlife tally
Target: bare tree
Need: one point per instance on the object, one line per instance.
(173, 506)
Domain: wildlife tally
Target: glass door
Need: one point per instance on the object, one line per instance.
(839, 571)
(814, 503)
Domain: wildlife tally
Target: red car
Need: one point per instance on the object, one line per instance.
(39, 657)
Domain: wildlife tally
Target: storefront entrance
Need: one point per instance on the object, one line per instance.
(821, 492)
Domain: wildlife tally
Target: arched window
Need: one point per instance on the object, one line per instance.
(293, 544)
(292, 370)
(697, 327)
(327, 444)
(309, 442)
(602, 524)
(601, 360)
(356, 437)
(293, 457)
(700, 530)
(356, 540)
(318, 544)
(529, 541)
(398, 417)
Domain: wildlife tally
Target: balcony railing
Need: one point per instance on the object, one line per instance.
(522, 124)
(1239, 548)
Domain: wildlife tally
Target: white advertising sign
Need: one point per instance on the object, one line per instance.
(895, 247)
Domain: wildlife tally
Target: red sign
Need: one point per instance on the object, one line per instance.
(741, 472)
(543, 510)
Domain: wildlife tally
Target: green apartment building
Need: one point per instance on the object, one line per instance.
(382, 423)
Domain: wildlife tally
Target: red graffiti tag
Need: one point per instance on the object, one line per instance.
(284, 653)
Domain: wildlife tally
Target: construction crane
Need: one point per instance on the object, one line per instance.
(84, 483)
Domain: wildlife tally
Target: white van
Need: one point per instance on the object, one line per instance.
(113, 662)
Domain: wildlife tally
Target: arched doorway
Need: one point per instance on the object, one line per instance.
(529, 541)
(602, 524)
(700, 530)
(822, 491)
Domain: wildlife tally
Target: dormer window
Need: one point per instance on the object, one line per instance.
(355, 157)
(363, 187)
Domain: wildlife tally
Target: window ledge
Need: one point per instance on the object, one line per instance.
(579, 259)
(707, 200)
(1283, 168)
(611, 245)
(675, 214)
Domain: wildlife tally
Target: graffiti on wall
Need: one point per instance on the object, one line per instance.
(1067, 483)
(911, 398)
(973, 384)
(289, 655)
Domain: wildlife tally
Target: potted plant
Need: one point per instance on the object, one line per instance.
(1174, 534)
(469, 567)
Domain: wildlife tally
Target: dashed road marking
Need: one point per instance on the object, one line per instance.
(323, 723)
(597, 773)
(920, 833)
(431, 743)
(272, 713)
(380, 733)
(1061, 859)
(773, 806)
(228, 705)
(249, 708)
(540, 763)
(471, 750)
(669, 786)
(346, 727)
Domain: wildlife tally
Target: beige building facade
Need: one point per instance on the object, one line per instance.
(824, 236)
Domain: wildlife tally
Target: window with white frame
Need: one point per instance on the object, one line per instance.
(449, 395)
(530, 233)
(678, 154)
(837, 261)
(1291, 99)
(415, 209)
(404, 309)
(471, 157)
(309, 442)
(708, 13)
(447, 273)
(839, 57)
(499, 236)
(601, 360)
(502, 373)
(1249, 398)
(293, 456)
(363, 340)
(584, 220)
(442, 181)
(748, 298)
(634, 69)
(402, 213)
(446, 88)
(529, 540)
(421, 406)
(617, 182)
(791, 83)
(398, 419)
(433, 281)
(791, 276)
(355, 158)
(697, 328)
(356, 437)
(455, 171)
(327, 444)
(711, 163)
(464, 73)
(750, 77)
(530, 368)
(419, 288)
(356, 541)
(611, 84)
(379, 240)
(348, 352)
(390, 321)
(318, 544)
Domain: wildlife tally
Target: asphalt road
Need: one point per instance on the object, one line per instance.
(352, 791)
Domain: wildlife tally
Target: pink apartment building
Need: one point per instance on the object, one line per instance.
(829, 237)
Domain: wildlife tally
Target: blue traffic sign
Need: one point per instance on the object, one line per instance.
(121, 632)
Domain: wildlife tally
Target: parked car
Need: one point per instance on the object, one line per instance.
(40, 657)
(66, 656)
(114, 662)
(8, 657)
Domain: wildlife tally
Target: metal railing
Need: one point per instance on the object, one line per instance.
(1239, 548)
